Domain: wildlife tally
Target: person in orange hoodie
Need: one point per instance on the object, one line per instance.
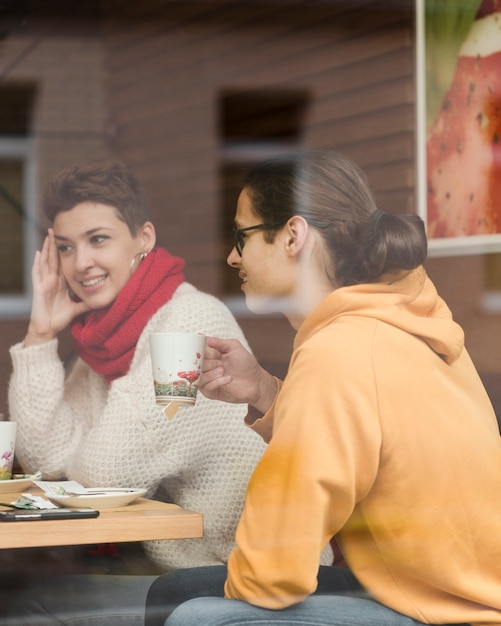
(381, 434)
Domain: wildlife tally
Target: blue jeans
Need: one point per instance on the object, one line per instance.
(170, 590)
(316, 610)
(339, 600)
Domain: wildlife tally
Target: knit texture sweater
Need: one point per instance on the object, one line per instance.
(81, 428)
(383, 435)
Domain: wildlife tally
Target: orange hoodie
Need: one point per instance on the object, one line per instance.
(383, 435)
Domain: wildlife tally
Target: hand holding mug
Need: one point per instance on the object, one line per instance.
(232, 374)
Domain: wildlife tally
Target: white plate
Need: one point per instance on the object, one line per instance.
(17, 484)
(98, 498)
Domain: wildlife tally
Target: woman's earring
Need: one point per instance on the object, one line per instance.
(142, 256)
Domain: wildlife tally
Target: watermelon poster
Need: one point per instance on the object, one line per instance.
(459, 109)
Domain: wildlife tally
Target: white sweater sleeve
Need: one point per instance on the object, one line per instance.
(115, 435)
(47, 432)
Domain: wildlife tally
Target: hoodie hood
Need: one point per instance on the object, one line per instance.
(410, 303)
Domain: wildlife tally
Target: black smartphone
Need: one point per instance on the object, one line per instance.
(24, 515)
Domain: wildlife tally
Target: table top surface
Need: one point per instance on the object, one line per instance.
(142, 520)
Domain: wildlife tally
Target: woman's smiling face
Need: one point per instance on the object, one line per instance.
(96, 249)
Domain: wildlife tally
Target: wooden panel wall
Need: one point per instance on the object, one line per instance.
(168, 63)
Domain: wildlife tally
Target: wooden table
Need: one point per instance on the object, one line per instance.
(143, 520)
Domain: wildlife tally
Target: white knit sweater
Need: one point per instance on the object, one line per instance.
(114, 435)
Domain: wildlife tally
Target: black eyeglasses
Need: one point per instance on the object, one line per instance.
(239, 240)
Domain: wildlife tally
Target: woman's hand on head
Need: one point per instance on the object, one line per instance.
(52, 309)
(232, 374)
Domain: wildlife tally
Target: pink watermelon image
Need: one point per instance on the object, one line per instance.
(464, 142)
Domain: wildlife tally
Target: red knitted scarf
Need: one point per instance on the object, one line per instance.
(106, 338)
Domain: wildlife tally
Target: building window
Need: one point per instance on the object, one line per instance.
(18, 236)
(253, 125)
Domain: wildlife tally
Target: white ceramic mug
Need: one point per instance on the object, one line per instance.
(7, 448)
(176, 360)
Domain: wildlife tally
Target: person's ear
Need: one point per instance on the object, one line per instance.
(296, 234)
(147, 236)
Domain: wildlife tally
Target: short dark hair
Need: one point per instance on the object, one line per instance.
(106, 181)
(333, 195)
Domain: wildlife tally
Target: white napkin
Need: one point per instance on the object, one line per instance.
(61, 488)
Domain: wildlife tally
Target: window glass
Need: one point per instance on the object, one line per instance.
(254, 124)
(18, 235)
(11, 234)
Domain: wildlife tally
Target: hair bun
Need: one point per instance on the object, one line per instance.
(392, 242)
